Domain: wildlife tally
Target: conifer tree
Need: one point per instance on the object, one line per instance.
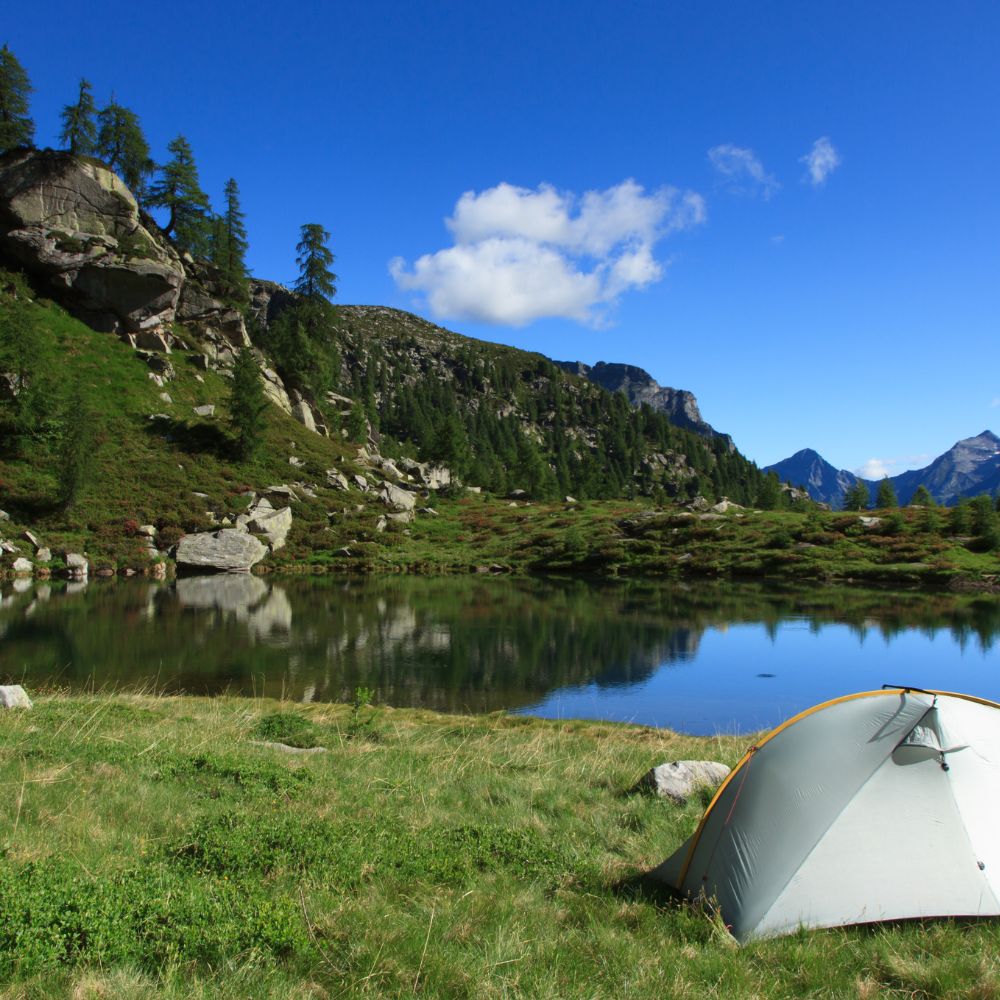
(123, 147)
(316, 281)
(16, 126)
(179, 190)
(856, 497)
(247, 404)
(886, 495)
(79, 132)
(231, 259)
(922, 497)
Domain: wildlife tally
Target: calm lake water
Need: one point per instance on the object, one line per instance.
(699, 658)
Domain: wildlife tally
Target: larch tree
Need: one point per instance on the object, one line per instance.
(316, 281)
(230, 255)
(123, 147)
(178, 190)
(886, 495)
(79, 131)
(856, 498)
(16, 126)
(247, 405)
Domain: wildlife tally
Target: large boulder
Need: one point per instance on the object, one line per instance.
(227, 551)
(394, 496)
(679, 779)
(274, 525)
(72, 223)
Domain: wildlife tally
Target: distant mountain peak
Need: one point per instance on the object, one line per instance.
(969, 467)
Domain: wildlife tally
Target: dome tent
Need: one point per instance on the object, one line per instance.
(882, 805)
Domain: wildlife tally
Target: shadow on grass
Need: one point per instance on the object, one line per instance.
(197, 437)
(644, 887)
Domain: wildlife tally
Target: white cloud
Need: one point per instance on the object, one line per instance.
(874, 468)
(742, 171)
(877, 468)
(521, 254)
(820, 161)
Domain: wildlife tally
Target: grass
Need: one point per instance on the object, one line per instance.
(150, 848)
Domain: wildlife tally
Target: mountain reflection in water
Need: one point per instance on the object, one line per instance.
(659, 654)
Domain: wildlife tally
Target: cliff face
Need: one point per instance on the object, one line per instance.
(640, 387)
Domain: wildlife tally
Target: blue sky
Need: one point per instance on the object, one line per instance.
(613, 181)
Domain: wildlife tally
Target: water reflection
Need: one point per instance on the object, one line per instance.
(699, 657)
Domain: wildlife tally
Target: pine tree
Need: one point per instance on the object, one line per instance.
(886, 496)
(856, 498)
(922, 497)
(231, 260)
(123, 147)
(316, 280)
(16, 126)
(79, 133)
(179, 190)
(247, 404)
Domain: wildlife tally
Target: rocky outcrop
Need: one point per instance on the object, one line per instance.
(204, 310)
(226, 551)
(71, 223)
(640, 387)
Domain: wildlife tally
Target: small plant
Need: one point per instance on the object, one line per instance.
(358, 725)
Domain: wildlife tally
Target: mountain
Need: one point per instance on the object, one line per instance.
(970, 467)
(821, 480)
(640, 387)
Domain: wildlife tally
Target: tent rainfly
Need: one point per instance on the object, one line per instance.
(882, 805)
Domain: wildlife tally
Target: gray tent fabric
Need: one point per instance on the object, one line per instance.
(881, 805)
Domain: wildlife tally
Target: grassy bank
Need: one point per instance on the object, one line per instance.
(152, 848)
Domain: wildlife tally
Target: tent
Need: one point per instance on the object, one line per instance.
(882, 805)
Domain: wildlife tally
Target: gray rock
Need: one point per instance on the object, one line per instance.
(4, 516)
(76, 565)
(402, 517)
(9, 547)
(870, 522)
(43, 554)
(360, 482)
(166, 397)
(679, 779)
(14, 696)
(337, 480)
(30, 538)
(227, 550)
(23, 567)
(147, 530)
(393, 496)
(153, 340)
(205, 410)
(517, 495)
(285, 748)
(274, 525)
(295, 461)
(381, 524)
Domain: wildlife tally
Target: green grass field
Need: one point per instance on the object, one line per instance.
(151, 848)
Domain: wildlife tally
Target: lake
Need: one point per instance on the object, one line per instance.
(700, 658)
